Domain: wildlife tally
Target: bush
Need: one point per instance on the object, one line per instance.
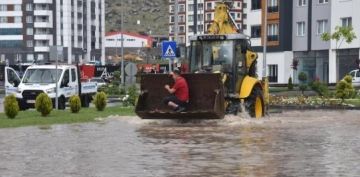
(131, 97)
(344, 88)
(11, 106)
(75, 104)
(43, 104)
(302, 77)
(290, 84)
(100, 101)
(320, 88)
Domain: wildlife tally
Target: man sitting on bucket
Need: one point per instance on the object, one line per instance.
(179, 92)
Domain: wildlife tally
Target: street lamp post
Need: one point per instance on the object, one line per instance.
(265, 39)
(122, 46)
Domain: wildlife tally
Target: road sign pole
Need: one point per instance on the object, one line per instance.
(170, 65)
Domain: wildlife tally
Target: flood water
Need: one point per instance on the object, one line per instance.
(295, 143)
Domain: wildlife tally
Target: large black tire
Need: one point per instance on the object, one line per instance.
(62, 103)
(250, 103)
(85, 101)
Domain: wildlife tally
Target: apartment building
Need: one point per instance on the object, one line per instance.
(205, 16)
(311, 18)
(279, 36)
(344, 57)
(29, 27)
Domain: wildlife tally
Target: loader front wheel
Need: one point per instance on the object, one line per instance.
(255, 103)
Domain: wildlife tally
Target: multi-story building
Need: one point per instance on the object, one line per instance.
(279, 36)
(205, 16)
(311, 18)
(344, 57)
(29, 27)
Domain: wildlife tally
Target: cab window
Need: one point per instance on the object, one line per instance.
(66, 77)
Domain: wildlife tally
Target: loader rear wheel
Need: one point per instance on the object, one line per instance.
(255, 103)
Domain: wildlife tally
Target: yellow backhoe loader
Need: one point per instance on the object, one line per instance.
(222, 77)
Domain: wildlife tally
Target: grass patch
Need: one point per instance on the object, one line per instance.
(32, 117)
(355, 102)
(279, 89)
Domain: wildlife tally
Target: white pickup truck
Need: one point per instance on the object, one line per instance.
(42, 79)
(355, 74)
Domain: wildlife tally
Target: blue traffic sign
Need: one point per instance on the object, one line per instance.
(169, 49)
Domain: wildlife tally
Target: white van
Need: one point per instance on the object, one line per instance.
(355, 74)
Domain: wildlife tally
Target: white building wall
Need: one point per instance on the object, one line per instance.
(129, 41)
(253, 18)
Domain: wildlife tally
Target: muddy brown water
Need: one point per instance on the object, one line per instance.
(295, 143)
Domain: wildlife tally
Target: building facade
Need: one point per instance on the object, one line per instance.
(279, 36)
(29, 27)
(204, 17)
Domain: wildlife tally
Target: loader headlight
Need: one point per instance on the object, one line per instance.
(50, 90)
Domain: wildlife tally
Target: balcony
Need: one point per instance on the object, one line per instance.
(272, 9)
(43, 37)
(43, 25)
(273, 37)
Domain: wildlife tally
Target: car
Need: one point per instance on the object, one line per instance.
(355, 74)
(100, 82)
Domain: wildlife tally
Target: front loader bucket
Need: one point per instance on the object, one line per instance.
(206, 94)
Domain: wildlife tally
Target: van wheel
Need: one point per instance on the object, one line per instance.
(254, 104)
(61, 104)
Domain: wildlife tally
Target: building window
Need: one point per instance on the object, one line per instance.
(172, 19)
(323, 1)
(3, 7)
(346, 22)
(29, 19)
(29, 31)
(238, 15)
(191, 29)
(273, 32)
(171, 29)
(273, 73)
(29, 7)
(3, 20)
(239, 5)
(182, 8)
(273, 6)
(302, 2)
(208, 16)
(182, 29)
(29, 44)
(255, 31)
(208, 6)
(171, 9)
(30, 57)
(255, 4)
(200, 27)
(300, 26)
(200, 6)
(190, 18)
(181, 19)
(18, 20)
(191, 7)
(17, 7)
(200, 17)
(232, 15)
(322, 25)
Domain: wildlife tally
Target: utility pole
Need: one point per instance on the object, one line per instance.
(122, 46)
(265, 39)
(176, 28)
(195, 16)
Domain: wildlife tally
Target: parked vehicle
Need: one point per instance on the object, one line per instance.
(99, 81)
(355, 74)
(42, 79)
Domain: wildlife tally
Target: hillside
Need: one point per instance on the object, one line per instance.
(152, 14)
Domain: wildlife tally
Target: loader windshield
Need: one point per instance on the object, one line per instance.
(211, 55)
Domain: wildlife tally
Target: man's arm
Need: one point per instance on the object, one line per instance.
(170, 90)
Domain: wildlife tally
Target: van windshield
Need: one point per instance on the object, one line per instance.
(41, 76)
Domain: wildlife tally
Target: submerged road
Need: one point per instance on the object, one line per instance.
(294, 143)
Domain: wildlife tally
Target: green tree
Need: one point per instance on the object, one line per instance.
(290, 84)
(345, 89)
(341, 34)
(302, 78)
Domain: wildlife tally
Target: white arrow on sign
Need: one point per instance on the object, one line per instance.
(169, 52)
